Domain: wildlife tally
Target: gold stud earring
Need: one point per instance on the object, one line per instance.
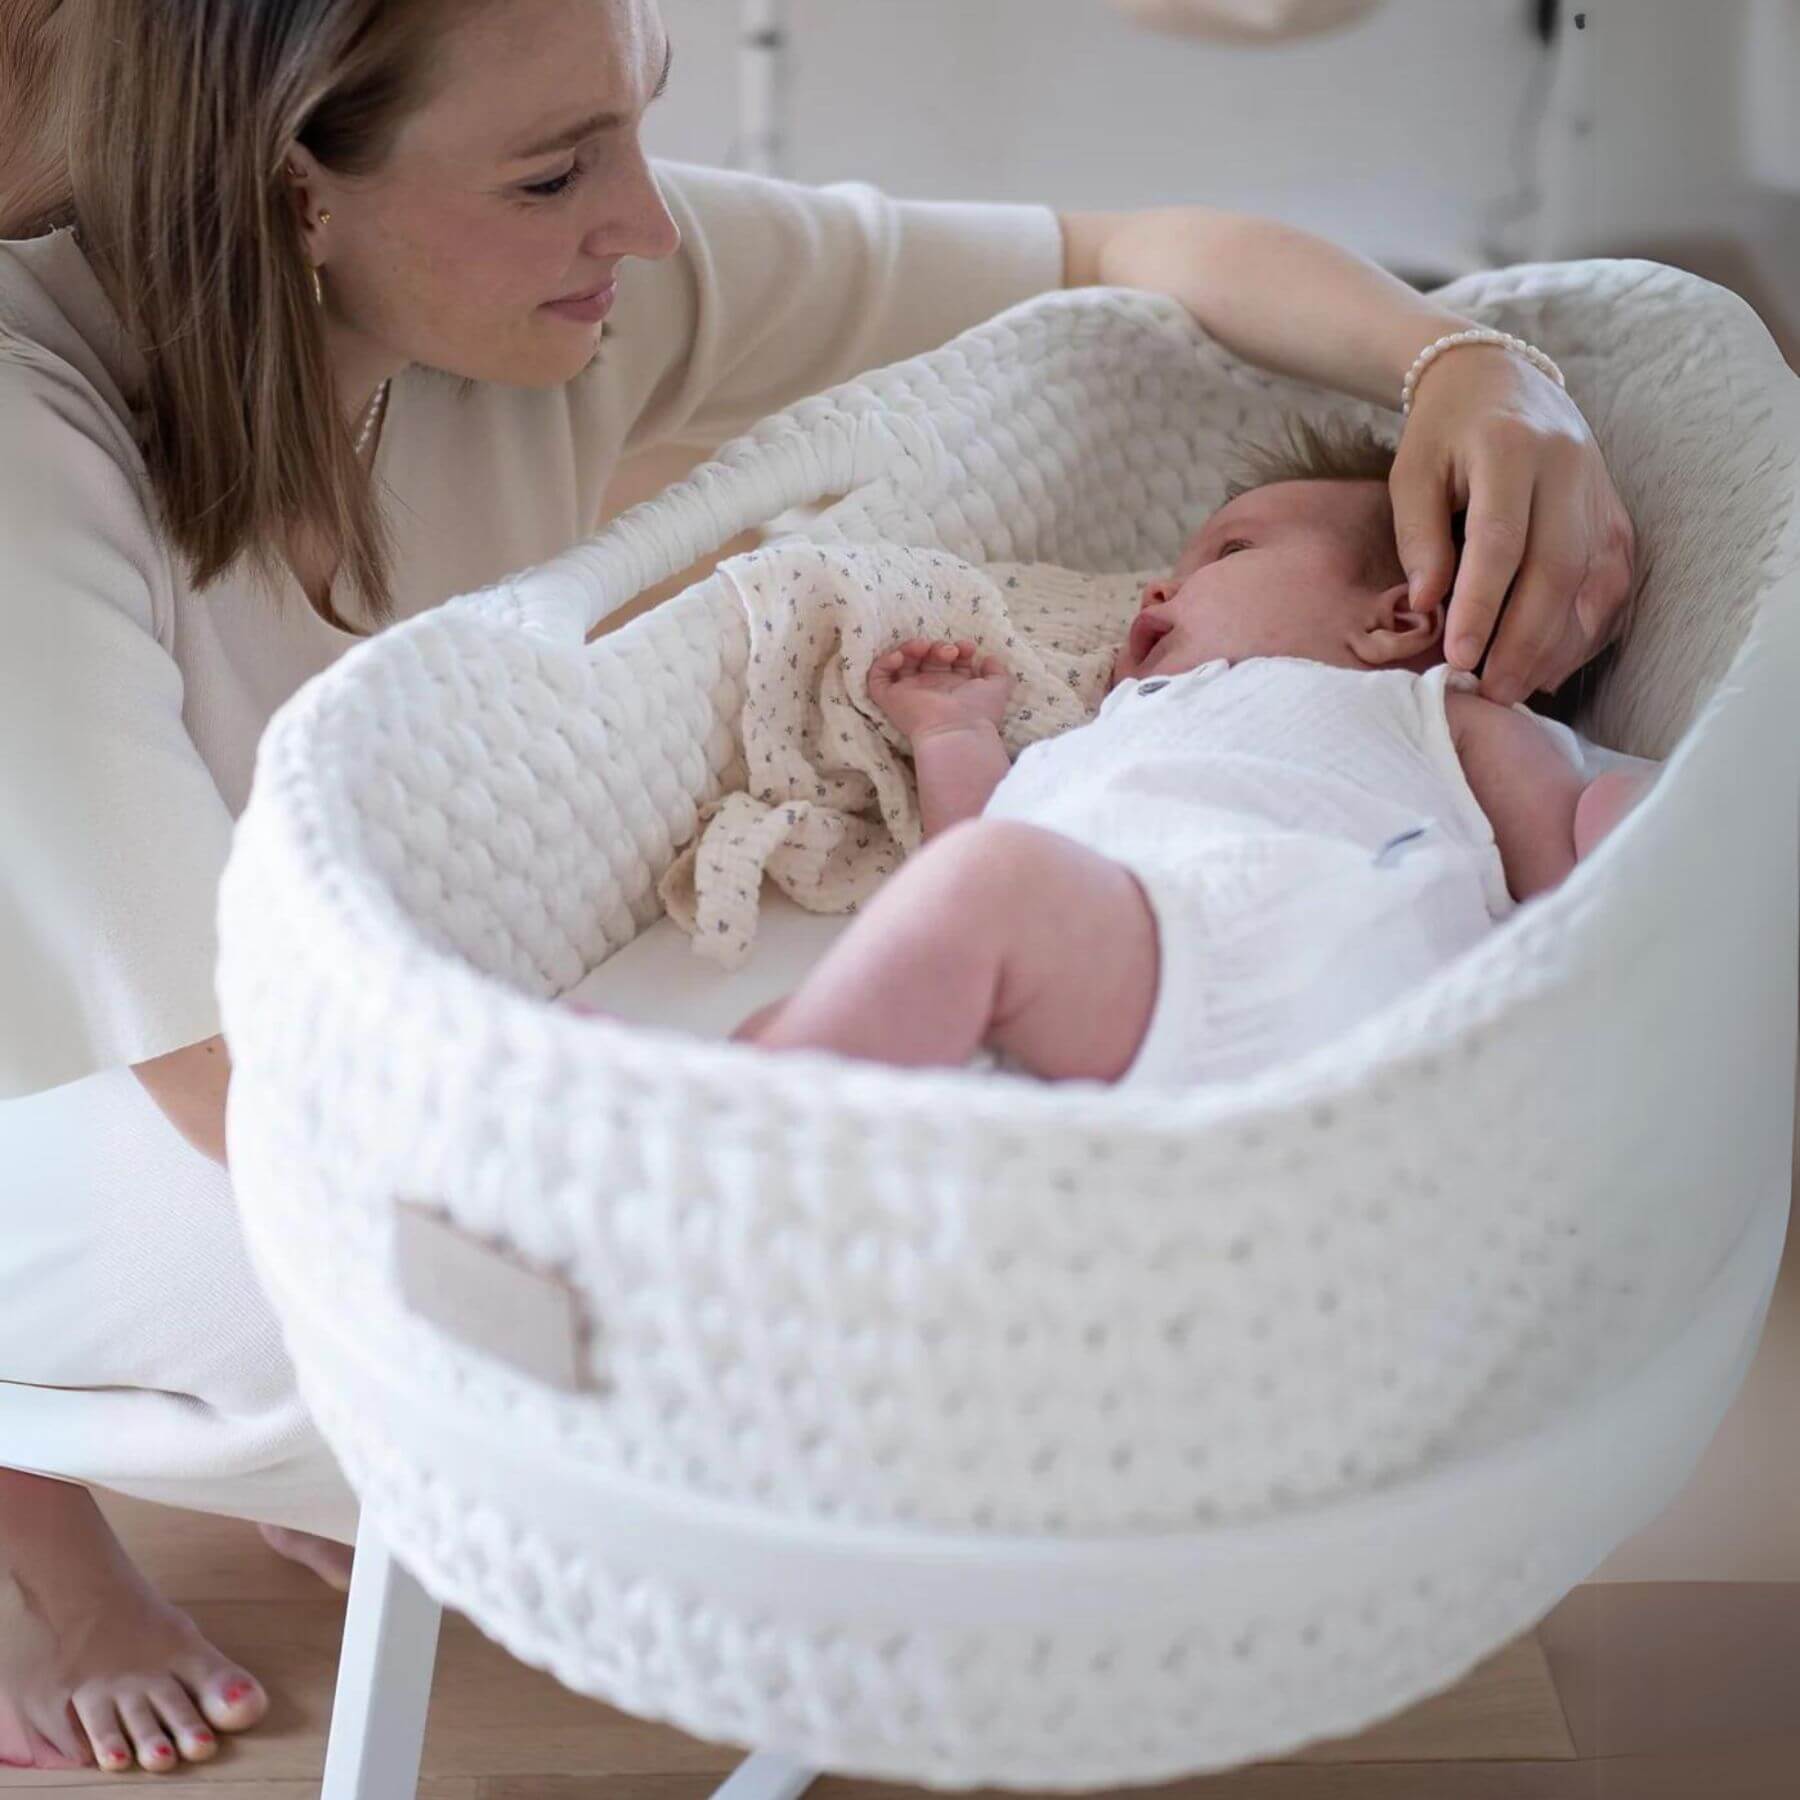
(325, 216)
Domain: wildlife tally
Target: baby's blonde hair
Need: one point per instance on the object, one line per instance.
(1334, 451)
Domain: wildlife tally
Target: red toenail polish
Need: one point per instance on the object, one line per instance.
(204, 1737)
(237, 1691)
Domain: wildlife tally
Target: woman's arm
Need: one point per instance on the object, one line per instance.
(189, 1088)
(1276, 296)
(1488, 430)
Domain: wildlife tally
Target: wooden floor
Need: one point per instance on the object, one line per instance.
(1664, 1691)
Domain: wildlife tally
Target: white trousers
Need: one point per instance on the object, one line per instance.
(137, 1352)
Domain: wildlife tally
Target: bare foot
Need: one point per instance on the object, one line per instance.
(764, 1016)
(95, 1666)
(326, 1557)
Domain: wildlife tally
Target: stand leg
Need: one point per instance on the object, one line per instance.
(765, 1777)
(384, 1679)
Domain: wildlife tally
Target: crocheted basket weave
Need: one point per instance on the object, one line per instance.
(963, 1429)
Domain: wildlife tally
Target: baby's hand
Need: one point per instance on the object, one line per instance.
(925, 687)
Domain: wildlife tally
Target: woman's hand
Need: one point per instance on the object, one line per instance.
(1487, 428)
(924, 686)
(1490, 431)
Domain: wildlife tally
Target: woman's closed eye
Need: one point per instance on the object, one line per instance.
(556, 184)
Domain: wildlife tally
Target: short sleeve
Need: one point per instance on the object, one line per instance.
(113, 834)
(780, 290)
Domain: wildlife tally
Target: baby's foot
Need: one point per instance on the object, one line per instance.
(750, 1032)
(95, 1666)
(326, 1557)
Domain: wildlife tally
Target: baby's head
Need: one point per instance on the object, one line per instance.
(1300, 561)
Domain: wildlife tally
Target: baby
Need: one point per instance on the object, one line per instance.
(1283, 816)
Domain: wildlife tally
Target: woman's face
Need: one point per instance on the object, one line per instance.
(519, 182)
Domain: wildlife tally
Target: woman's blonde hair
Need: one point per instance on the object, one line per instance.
(163, 132)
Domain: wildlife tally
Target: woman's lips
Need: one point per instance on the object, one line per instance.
(585, 309)
(1147, 631)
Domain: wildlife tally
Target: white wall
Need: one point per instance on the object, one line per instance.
(1396, 135)
(1406, 135)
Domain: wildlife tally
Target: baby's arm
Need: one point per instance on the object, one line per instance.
(1546, 817)
(949, 700)
(958, 767)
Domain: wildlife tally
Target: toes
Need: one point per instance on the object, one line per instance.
(327, 1558)
(100, 1720)
(66, 1738)
(154, 1749)
(231, 1699)
(177, 1710)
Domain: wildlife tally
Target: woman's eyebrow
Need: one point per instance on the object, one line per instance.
(583, 129)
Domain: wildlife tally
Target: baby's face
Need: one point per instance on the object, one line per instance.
(1293, 569)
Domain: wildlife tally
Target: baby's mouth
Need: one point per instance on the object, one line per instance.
(1147, 631)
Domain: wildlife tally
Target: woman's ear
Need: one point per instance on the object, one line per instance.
(1394, 632)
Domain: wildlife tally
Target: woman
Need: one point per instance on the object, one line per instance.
(237, 282)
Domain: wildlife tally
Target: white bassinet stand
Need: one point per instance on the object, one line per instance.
(957, 1428)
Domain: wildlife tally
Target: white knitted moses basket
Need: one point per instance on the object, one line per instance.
(962, 1429)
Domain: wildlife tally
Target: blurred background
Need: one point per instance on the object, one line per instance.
(1435, 136)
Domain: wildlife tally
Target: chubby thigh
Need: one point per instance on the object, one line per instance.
(1065, 935)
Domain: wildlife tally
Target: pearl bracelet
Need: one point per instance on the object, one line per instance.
(1474, 335)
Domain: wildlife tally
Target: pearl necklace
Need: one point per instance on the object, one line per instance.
(368, 425)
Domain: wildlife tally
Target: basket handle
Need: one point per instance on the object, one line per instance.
(826, 445)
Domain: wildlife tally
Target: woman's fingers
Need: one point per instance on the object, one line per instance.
(1420, 492)
(1601, 601)
(1494, 540)
(1540, 640)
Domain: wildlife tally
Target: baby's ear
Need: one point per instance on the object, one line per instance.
(1397, 632)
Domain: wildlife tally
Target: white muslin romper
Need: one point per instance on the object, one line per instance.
(1306, 837)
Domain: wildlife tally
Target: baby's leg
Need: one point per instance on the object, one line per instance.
(996, 934)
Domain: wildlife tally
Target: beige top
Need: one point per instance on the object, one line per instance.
(130, 707)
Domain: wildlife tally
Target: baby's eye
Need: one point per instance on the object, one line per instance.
(1233, 544)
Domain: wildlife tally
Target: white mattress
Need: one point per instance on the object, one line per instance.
(658, 980)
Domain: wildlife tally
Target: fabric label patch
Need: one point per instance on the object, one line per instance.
(486, 1297)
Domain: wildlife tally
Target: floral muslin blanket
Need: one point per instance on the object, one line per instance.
(829, 805)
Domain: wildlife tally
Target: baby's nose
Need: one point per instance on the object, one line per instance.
(1155, 593)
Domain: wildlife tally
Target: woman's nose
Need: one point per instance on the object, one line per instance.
(641, 224)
